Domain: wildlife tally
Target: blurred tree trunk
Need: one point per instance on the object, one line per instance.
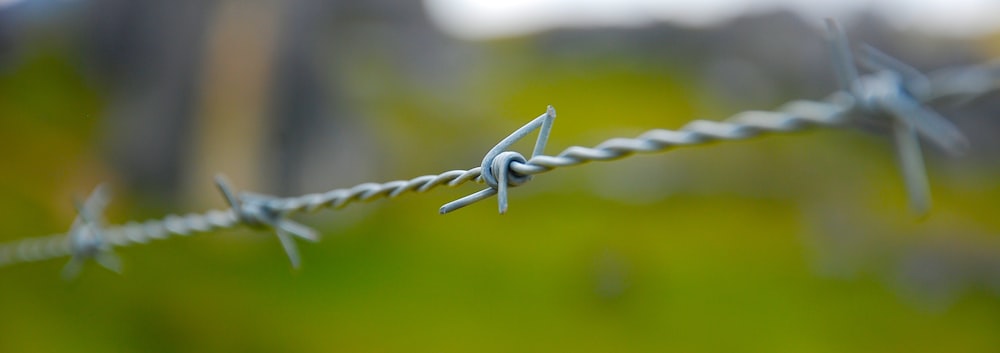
(231, 131)
(147, 54)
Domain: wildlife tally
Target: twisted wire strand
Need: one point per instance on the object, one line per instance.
(340, 198)
(963, 83)
(791, 117)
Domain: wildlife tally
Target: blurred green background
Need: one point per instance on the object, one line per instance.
(797, 243)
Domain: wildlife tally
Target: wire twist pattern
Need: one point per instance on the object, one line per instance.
(847, 106)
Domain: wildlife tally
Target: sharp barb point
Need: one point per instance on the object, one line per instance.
(496, 165)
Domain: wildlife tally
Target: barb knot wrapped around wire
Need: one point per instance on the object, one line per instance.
(895, 92)
(86, 236)
(258, 211)
(496, 165)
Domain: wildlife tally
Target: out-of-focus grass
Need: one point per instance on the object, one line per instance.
(721, 255)
(691, 273)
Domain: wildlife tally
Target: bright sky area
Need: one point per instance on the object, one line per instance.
(480, 19)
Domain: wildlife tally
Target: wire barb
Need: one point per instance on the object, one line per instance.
(86, 236)
(258, 211)
(894, 92)
(497, 165)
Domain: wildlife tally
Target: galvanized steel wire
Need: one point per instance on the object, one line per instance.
(893, 93)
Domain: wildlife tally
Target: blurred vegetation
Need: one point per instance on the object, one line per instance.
(787, 243)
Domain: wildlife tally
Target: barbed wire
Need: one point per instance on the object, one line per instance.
(893, 94)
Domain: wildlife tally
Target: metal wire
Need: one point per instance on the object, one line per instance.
(893, 93)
